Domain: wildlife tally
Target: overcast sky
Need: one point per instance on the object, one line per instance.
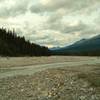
(51, 22)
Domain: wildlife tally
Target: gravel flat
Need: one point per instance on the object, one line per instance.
(52, 84)
(31, 69)
(76, 79)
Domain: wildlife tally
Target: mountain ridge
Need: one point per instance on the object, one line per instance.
(89, 46)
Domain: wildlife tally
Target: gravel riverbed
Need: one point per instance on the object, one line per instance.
(52, 84)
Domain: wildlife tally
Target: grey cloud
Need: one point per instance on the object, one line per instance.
(90, 32)
(55, 23)
(13, 10)
(68, 5)
(49, 41)
(53, 17)
(97, 19)
(70, 29)
(41, 9)
(35, 37)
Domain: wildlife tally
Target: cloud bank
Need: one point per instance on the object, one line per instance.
(51, 22)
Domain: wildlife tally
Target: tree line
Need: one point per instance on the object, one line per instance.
(13, 45)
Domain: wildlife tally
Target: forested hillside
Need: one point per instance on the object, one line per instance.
(13, 45)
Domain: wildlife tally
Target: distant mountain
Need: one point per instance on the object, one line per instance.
(89, 47)
(13, 45)
(80, 41)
